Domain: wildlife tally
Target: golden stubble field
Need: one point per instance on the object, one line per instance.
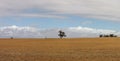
(77, 49)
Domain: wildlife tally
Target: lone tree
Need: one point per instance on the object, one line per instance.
(61, 34)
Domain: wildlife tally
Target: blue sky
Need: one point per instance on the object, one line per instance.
(87, 15)
(71, 21)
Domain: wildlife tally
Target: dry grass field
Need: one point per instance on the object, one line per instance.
(84, 49)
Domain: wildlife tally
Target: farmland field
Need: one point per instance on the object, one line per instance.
(74, 49)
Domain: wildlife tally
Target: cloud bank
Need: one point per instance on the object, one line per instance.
(20, 32)
(71, 32)
(98, 9)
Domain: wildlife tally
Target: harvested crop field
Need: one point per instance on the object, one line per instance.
(76, 49)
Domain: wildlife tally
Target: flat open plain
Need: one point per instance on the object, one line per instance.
(74, 49)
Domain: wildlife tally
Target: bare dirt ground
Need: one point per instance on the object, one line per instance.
(77, 49)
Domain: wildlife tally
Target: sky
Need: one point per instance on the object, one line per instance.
(44, 18)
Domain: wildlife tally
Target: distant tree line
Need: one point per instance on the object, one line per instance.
(110, 35)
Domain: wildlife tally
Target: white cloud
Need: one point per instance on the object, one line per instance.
(16, 31)
(39, 15)
(99, 9)
(71, 32)
(88, 32)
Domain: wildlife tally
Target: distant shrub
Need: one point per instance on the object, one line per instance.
(11, 37)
